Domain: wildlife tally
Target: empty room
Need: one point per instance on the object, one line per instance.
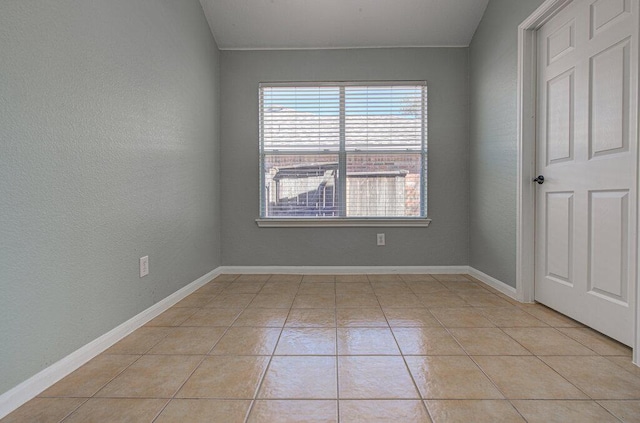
(319, 211)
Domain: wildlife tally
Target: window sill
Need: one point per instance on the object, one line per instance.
(342, 223)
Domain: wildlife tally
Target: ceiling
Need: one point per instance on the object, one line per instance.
(316, 24)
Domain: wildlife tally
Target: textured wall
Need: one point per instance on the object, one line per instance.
(493, 139)
(445, 242)
(108, 152)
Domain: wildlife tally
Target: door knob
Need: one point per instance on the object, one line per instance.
(539, 179)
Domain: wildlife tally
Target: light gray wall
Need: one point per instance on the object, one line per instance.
(444, 243)
(493, 140)
(109, 147)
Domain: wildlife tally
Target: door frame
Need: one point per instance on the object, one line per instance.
(526, 147)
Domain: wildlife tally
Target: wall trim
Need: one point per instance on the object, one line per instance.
(343, 270)
(494, 283)
(283, 222)
(526, 109)
(376, 270)
(636, 344)
(337, 48)
(30, 388)
(526, 146)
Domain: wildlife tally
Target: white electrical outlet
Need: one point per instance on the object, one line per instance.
(144, 266)
(380, 239)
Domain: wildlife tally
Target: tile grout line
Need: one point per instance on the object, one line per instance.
(477, 365)
(608, 358)
(489, 378)
(515, 340)
(205, 355)
(103, 385)
(335, 314)
(266, 369)
(583, 343)
(481, 369)
(609, 411)
(554, 370)
(93, 396)
(404, 360)
(74, 410)
(161, 409)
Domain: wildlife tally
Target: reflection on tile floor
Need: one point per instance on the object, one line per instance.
(350, 348)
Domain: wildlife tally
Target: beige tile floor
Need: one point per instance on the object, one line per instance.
(356, 348)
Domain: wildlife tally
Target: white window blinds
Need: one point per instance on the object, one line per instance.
(343, 150)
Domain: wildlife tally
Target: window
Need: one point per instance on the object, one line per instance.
(343, 152)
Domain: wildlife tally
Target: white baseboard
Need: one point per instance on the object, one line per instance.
(343, 270)
(31, 387)
(374, 270)
(493, 282)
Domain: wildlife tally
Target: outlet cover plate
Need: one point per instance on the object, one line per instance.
(144, 266)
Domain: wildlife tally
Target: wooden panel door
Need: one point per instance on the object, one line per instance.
(587, 152)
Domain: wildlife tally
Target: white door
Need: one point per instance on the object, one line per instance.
(587, 152)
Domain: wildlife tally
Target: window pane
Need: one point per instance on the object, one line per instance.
(300, 119)
(383, 118)
(300, 185)
(383, 185)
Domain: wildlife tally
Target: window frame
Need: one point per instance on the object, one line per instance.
(343, 221)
